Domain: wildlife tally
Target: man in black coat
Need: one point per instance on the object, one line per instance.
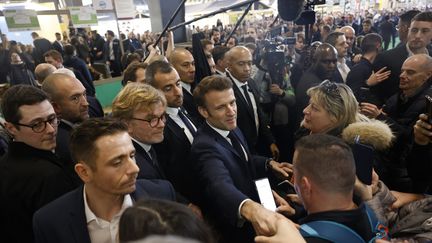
(97, 47)
(41, 45)
(30, 173)
(112, 54)
(251, 120)
(419, 37)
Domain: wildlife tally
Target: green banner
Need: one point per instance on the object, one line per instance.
(21, 20)
(83, 16)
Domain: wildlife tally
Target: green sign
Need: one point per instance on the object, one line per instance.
(83, 16)
(21, 20)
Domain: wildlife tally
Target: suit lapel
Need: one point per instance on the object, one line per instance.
(241, 100)
(176, 129)
(78, 221)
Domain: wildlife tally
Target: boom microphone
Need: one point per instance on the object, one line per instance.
(290, 10)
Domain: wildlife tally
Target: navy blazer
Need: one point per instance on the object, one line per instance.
(64, 220)
(191, 108)
(149, 169)
(225, 178)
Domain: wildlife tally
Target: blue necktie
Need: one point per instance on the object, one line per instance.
(187, 122)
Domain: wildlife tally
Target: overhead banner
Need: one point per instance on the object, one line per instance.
(83, 16)
(125, 9)
(21, 20)
(103, 4)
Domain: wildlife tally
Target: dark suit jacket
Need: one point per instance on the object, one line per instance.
(226, 179)
(41, 45)
(29, 179)
(58, 47)
(149, 169)
(95, 107)
(78, 64)
(308, 80)
(246, 121)
(191, 108)
(116, 50)
(64, 219)
(173, 156)
(63, 152)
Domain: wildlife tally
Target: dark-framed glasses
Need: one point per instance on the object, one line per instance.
(40, 126)
(154, 122)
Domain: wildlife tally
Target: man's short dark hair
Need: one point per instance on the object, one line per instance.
(408, 16)
(54, 54)
(369, 42)
(328, 161)
(367, 21)
(218, 53)
(83, 138)
(17, 96)
(210, 83)
(129, 73)
(423, 16)
(332, 38)
(110, 32)
(157, 67)
(69, 50)
(213, 30)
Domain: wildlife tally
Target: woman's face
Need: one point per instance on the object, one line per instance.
(316, 118)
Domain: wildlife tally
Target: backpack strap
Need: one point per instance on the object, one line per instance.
(330, 231)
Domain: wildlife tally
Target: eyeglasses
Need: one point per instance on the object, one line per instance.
(154, 121)
(40, 126)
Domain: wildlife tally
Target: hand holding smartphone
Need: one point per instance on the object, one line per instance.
(265, 194)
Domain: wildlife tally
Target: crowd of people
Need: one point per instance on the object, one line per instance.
(336, 118)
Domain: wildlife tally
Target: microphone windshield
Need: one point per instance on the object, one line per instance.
(290, 10)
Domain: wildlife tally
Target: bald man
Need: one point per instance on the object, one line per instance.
(323, 66)
(68, 97)
(184, 63)
(43, 70)
(250, 118)
(401, 112)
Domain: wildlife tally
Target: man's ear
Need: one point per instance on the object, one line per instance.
(57, 108)
(305, 185)
(203, 111)
(11, 129)
(84, 171)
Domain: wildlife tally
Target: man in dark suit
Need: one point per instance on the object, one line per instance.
(251, 119)
(112, 54)
(57, 44)
(41, 45)
(419, 38)
(225, 167)
(338, 41)
(106, 164)
(68, 97)
(184, 63)
(97, 47)
(174, 151)
(30, 173)
(142, 107)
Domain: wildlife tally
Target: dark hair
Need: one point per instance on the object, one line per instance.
(210, 83)
(332, 38)
(54, 54)
(161, 217)
(367, 21)
(408, 16)
(328, 161)
(214, 30)
(236, 41)
(83, 137)
(69, 50)
(218, 53)
(129, 72)
(157, 67)
(370, 42)
(110, 32)
(423, 16)
(17, 96)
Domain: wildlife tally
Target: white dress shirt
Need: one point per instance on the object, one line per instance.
(173, 114)
(187, 87)
(343, 69)
(102, 231)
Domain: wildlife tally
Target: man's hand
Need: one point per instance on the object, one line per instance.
(263, 220)
(275, 151)
(276, 90)
(403, 198)
(357, 58)
(287, 231)
(283, 206)
(378, 77)
(283, 170)
(423, 130)
(370, 110)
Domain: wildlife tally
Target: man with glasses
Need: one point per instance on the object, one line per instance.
(30, 174)
(142, 107)
(68, 97)
(418, 42)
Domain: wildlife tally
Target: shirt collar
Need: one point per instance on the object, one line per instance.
(146, 147)
(236, 82)
(223, 133)
(186, 86)
(172, 111)
(68, 123)
(90, 216)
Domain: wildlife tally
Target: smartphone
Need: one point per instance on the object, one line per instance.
(364, 158)
(429, 108)
(265, 194)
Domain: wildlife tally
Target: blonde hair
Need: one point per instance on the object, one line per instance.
(136, 96)
(341, 104)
